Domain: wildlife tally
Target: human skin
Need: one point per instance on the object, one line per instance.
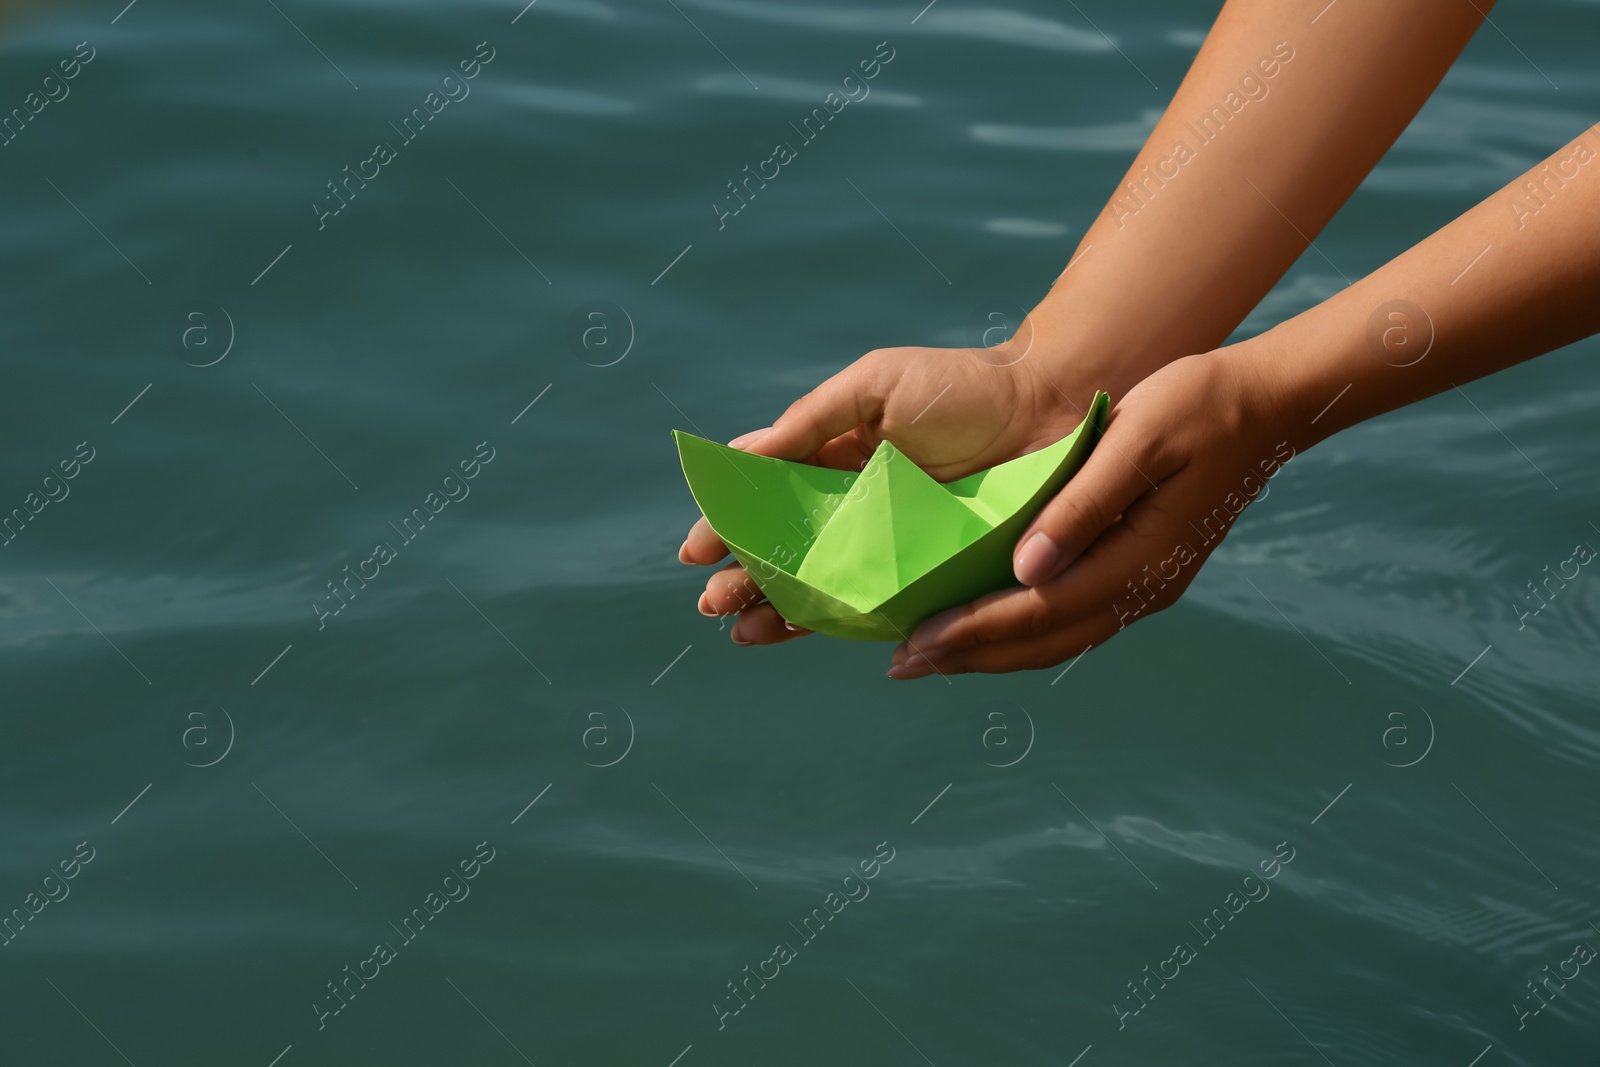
(1501, 284)
(1172, 278)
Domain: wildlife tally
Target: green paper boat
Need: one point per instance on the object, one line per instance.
(869, 555)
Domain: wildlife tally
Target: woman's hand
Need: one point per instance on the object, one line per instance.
(1192, 444)
(1185, 451)
(953, 411)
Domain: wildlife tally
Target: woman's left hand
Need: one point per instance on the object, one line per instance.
(1183, 454)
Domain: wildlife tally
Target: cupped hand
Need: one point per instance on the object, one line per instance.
(1184, 453)
(953, 411)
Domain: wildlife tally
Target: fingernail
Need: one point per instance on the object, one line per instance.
(704, 609)
(1038, 560)
(787, 625)
(749, 438)
(683, 553)
(915, 667)
(734, 634)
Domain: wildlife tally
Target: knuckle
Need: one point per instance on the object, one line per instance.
(1083, 515)
(970, 628)
(805, 416)
(867, 371)
(882, 368)
(738, 585)
(801, 409)
(1038, 619)
(1022, 615)
(880, 356)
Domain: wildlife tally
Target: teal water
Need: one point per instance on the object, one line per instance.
(299, 787)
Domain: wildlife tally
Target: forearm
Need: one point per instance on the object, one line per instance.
(1276, 123)
(1515, 277)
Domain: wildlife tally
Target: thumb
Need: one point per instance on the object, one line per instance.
(850, 398)
(1106, 487)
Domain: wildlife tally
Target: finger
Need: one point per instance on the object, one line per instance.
(849, 451)
(1005, 617)
(849, 399)
(999, 657)
(730, 591)
(762, 625)
(746, 442)
(1108, 484)
(1135, 569)
(702, 545)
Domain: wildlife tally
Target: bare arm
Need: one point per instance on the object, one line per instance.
(1190, 446)
(1513, 278)
(1284, 112)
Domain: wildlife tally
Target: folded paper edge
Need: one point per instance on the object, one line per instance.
(1089, 430)
(1089, 434)
(1085, 435)
(740, 552)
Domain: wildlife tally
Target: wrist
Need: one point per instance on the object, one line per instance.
(1069, 362)
(1272, 400)
(1084, 346)
(1300, 380)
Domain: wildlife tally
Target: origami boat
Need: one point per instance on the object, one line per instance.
(868, 555)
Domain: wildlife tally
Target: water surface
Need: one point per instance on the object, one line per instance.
(538, 627)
